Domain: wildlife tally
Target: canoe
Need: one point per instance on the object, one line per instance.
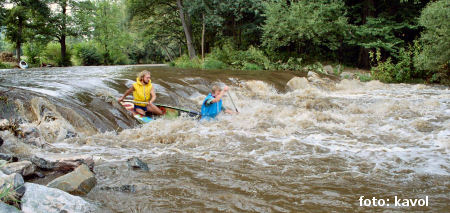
(168, 112)
(23, 64)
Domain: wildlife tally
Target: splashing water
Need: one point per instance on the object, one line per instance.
(294, 146)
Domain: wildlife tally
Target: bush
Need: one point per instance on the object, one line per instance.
(212, 63)
(364, 77)
(87, 54)
(436, 36)
(53, 55)
(34, 52)
(251, 66)
(4, 65)
(435, 41)
(249, 58)
(390, 72)
(185, 62)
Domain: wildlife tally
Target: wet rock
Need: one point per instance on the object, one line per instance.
(314, 77)
(39, 142)
(135, 162)
(24, 168)
(62, 162)
(31, 132)
(78, 182)
(328, 69)
(70, 134)
(347, 75)
(123, 188)
(4, 123)
(5, 208)
(8, 157)
(298, 83)
(15, 180)
(38, 198)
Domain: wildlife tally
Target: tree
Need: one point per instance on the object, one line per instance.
(304, 27)
(385, 25)
(110, 31)
(151, 7)
(435, 39)
(68, 18)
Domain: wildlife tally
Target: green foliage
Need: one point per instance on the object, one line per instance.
(316, 67)
(435, 54)
(304, 26)
(110, 32)
(34, 52)
(212, 63)
(237, 59)
(8, 194)
(185, 62)
(52, 54)
(251, 66)
(87, 54)
(363, 77)
(291, 64)
(337, 70)
(400, 71)
(4, 65)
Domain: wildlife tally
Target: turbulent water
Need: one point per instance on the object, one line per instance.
(295, 146)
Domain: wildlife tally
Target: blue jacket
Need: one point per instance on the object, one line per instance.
(210, 111)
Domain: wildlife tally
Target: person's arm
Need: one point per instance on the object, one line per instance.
(228, 111)
(218, 97)
(129, 91)
(153, 94)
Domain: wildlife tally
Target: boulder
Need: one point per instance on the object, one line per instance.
(61, 162)
(4, 123)
(24, 168)
(328, 69)
(135, 162)
(314, 77)
(31, 132)
(8, 157)
(5, 208)
(42, 199)
(15, 180)
(347, 75)
(298, 83)
(78, 182)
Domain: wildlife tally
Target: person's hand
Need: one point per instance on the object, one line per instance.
(226, 88)
(120, 99)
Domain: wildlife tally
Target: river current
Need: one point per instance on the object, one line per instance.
(295, 146)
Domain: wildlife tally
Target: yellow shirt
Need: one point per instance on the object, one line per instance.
(141, 92)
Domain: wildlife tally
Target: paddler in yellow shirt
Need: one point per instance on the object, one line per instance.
(143, 91)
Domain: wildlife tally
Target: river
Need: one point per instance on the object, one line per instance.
(297, 147)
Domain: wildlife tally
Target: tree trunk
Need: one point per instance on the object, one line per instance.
(203, 37)
(19, 38)
(187, 31)
(367, 11)
(63, 49)
(168, 54)
(62, 41)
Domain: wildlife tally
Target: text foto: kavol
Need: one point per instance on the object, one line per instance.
(397, 201)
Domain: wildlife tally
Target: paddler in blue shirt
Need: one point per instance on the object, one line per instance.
(212, 105)
(143, 92)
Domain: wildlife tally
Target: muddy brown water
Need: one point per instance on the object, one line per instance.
(306, 147)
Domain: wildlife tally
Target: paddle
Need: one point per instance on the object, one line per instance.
(233, 102)
(170, 107)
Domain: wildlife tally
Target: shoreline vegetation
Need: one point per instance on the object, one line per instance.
(398, 41)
